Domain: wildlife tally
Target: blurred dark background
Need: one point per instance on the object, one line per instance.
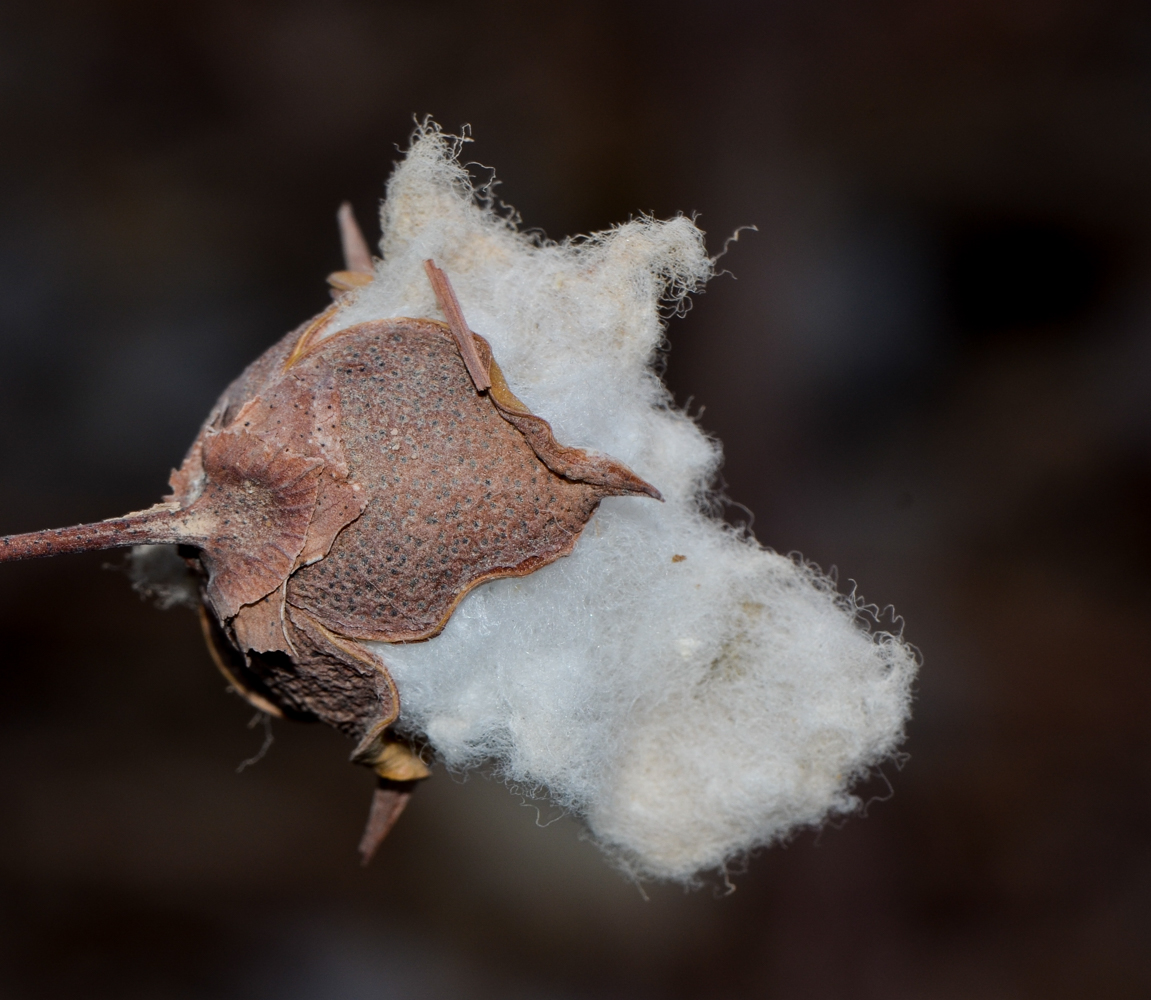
(932, 371)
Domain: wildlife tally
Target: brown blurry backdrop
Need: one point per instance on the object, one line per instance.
(932, 371)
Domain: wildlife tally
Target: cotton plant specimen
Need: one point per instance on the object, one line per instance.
(497, 549)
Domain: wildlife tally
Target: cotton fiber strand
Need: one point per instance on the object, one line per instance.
(689, 709)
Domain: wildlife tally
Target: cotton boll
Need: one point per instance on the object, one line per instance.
(691, 708)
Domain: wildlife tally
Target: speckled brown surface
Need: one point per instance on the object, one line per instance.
(458, 496)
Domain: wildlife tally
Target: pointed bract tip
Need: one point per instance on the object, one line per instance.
(388, 801)
(357, 255)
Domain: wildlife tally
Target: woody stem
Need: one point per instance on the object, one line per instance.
(155, 525)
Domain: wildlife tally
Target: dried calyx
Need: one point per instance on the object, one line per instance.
(351, 487)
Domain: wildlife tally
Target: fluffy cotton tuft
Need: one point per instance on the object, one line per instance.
(689, 709)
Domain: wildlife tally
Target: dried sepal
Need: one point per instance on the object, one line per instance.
(450, 306)
(389, 800)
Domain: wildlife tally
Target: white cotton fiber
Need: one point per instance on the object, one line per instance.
(689, 709)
